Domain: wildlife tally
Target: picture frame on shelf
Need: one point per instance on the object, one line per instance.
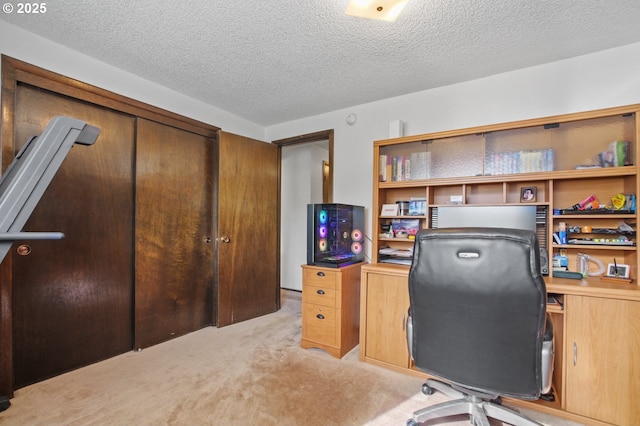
(617, 270)
(389, 210)
(528, 194)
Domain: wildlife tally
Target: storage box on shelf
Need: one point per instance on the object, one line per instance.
(562, 160)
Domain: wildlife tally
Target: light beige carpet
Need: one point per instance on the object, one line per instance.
(251, 373)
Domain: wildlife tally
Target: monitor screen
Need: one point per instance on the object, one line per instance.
(517, 217)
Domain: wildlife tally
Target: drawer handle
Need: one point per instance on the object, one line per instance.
(320, 316)
(321, 274)
(321, 292)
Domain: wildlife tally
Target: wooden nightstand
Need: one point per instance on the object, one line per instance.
(331, 308)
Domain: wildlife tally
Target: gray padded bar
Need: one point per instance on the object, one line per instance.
(13, 236)
(31, 172)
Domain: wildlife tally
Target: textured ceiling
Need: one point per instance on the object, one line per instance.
(275, 61)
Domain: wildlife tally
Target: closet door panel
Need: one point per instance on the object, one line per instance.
(174, 229)
(72, 298)
(248, 229)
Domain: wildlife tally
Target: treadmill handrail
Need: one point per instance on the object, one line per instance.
(30, 173)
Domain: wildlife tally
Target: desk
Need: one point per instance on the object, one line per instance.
(601, 320)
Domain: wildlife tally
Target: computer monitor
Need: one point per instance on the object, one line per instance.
(517, 217)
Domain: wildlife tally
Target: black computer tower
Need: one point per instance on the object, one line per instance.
(335, 234)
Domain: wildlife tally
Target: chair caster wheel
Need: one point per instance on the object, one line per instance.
(548, 396)
(4, 403)
(412, 422)
(426, 389)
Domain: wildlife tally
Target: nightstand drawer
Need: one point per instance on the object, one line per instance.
(319, 278)
(319, 324)
(319, 295)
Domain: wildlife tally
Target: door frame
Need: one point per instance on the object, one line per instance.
(321, 136)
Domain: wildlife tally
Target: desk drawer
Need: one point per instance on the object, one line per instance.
(319, 296)
(319, 278)
(319, 324)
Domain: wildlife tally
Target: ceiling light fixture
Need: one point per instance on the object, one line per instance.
(384, 10)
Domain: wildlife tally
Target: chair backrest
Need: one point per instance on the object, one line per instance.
(478, 306)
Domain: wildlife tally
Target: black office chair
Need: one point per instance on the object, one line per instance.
(478, 320)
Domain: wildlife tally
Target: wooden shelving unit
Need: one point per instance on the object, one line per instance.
(561, 158)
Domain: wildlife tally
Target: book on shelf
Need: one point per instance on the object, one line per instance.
(417, 206)
(405, 226)
(384, 171)
(396, 261)
(620, 153)
(396, 256)
(390, 251)
(399, 168)
(513, 162)
(420, 165)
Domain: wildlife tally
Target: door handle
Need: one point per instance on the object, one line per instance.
(575, 354)
(225, 239)
(23, 249)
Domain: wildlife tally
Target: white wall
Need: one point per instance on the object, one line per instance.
(301, 185)
(46, 54)
(605, 79)
(319, 154)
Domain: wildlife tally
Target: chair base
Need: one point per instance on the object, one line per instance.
(477, 408)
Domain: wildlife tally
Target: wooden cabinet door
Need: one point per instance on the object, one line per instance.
(387, 304)
(72, 298)
(248, 229)
(174, 233)
(602, 359)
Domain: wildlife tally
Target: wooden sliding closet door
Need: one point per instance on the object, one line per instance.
(174, 233)
(72, 298)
